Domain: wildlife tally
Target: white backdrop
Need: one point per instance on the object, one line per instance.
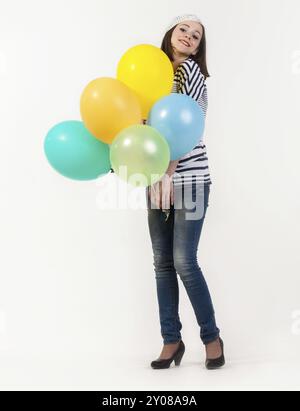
(78, 305)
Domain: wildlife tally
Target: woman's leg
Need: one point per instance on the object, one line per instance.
(161, 233)
(188, 222)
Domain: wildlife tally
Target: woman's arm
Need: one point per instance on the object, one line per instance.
(172, 167)
(191, 80)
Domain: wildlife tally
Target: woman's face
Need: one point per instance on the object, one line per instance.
(186, 38)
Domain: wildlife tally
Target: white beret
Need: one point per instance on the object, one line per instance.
(184, 17)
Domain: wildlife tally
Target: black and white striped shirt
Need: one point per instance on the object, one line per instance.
(189, 80)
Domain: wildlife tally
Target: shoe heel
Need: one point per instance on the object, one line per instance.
(178, 358)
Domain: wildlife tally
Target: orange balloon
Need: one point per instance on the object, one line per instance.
(108, 106)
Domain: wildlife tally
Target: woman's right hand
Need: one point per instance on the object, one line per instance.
(161, 193)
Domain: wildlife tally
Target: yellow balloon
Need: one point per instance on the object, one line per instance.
(107, 106)
(148, 71)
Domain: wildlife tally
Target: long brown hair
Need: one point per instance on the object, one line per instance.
(199, 58)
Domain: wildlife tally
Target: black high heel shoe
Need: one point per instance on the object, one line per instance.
(176, 357)
(217, 362)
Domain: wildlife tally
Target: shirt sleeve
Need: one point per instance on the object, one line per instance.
(190, 80)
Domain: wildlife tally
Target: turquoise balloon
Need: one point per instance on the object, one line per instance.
(75, 153)
(140, 155)
(180, 119)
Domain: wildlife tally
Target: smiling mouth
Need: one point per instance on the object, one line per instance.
(184, 43)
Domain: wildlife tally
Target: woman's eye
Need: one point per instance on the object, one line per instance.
(195, 37)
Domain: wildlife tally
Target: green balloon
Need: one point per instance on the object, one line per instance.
(75, 153)
(140, 155)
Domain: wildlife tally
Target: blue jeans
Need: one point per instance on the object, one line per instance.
(175, 244)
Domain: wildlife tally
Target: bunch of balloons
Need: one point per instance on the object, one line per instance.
(111, 134)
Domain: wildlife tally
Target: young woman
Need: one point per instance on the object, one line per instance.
(175, 238)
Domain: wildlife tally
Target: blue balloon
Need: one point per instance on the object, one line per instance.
(75, 153)
(180, 120)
